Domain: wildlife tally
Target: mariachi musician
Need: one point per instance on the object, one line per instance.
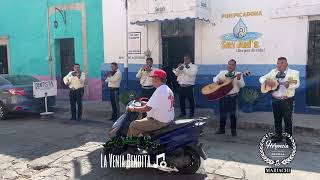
(75, 80)
(113, 79)
(186, 75)
(143, 74)
(228, 104)
(282, 97)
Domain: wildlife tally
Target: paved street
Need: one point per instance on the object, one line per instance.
(31, 148)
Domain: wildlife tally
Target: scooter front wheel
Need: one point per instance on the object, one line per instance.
(194, 164)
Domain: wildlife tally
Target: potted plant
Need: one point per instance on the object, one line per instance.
(127, 96)
(147, 53)
(249, 97)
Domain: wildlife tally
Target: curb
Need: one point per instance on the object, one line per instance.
(212, 122)
(263, 126)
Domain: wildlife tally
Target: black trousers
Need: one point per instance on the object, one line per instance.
(76, 100)
(114, 97)
(187, 93)
(228, 105)
(147, 92)
(282, 109)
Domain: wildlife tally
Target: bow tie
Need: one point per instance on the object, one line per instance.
(281, 75)
(229, 74)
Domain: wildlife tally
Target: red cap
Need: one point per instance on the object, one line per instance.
(159, 73)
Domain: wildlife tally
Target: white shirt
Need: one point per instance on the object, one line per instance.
(162, 104)
(73, 81)
(187, 76)
(237, 84)
(282, 91)
(115, 80)
(145, 80)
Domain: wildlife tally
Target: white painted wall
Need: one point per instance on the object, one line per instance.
(286, 36)
(114, 35)
(281, 37)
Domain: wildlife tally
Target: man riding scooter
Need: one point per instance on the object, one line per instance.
(159, 108)
(177, 140)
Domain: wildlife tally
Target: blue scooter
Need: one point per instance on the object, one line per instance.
(179, 141)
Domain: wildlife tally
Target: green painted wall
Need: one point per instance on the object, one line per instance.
(26, 26)
(25, 23)
(71, 30)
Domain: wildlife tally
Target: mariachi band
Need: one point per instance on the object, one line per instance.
(281, 82)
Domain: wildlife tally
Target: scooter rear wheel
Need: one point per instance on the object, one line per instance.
(195, 162)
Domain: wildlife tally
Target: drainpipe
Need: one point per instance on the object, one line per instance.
(49, 43)
(126, 49)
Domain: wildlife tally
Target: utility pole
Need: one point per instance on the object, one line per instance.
(126, 62)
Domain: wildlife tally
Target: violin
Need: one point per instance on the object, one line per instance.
(111, 73)
(78, 74)
(147, 68)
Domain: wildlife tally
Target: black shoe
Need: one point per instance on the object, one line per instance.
(234, 134)
(182, 115)
(220, 132)
(72, 118)
(79, 119)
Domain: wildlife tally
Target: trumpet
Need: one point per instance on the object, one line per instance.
(180, 66)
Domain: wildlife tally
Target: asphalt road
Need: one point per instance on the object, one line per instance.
(34, 148)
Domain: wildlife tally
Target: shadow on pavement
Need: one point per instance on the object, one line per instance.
(29, 137)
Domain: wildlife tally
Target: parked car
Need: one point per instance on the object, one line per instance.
(16, 94)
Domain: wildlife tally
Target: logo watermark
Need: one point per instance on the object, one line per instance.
(114, 155)
(129, 161)
(276, 153)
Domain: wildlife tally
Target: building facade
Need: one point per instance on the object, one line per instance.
(68, 31)
(213, 31)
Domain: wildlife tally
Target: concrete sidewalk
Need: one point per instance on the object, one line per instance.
(101, 111)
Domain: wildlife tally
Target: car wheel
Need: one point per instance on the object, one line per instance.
(3, 111)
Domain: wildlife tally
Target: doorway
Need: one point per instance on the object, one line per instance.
(177, 41)
(4, 59)
(66, 54)
(313, 67)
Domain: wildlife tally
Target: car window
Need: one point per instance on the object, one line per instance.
(21, 80)
(3, 81)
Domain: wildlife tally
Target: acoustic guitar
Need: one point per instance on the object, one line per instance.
(265, 88)
(215, 91)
